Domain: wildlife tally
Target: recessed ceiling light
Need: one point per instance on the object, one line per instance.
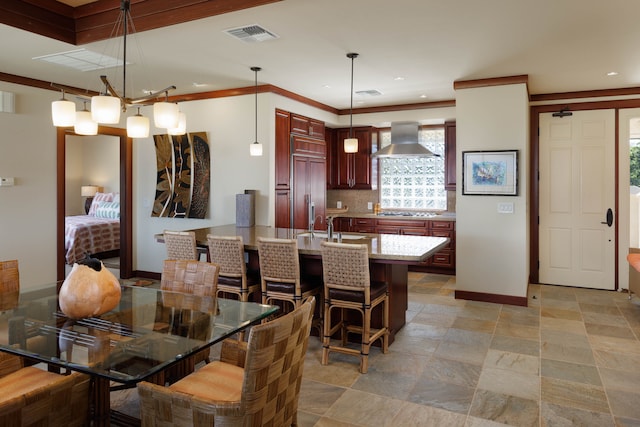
(423, 96)
(612, 73)
(196, 84)
(326, 86)
(399, 78)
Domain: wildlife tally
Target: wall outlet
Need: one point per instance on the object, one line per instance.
(370, 205)
(505, 208)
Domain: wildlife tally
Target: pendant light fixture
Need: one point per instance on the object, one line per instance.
(63, 112)
(351, 143)
(107, 106)
(255, 149)
(84, 123)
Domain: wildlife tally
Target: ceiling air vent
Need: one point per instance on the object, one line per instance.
(251, 34)
(370, 92)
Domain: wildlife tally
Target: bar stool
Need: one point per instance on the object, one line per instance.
(280, 273)
(228, 253)
(181, 245)
(347, 286)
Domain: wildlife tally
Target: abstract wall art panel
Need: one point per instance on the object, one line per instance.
(183, 176)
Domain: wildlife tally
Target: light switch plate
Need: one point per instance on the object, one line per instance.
(6, 182)
(505, 208)
(369, 205)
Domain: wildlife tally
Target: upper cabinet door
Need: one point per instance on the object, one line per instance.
(299, 124)
(356, 171)
(283, 149)
(450, 156)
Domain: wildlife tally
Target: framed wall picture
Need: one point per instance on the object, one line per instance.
(490, 173)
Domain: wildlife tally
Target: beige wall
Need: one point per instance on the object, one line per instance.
(492, 249)
(28, 209)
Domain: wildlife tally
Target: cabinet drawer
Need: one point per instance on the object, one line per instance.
(402, 223)
(309, 146)
(369, 222)
(443, 225)
(443, 258)
(362, 229)
(410, 231)
(388, 230)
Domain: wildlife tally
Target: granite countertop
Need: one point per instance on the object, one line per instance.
(389, 247)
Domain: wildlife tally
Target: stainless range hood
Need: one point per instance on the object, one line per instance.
(404, 142)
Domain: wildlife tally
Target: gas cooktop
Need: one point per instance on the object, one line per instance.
(400, 213)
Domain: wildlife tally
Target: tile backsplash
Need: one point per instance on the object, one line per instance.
(357, 200)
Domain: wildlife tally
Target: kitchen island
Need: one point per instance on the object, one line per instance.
(389, 256)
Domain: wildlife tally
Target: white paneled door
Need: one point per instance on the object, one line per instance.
(577, 199)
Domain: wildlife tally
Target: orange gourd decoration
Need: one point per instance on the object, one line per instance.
(89, 290)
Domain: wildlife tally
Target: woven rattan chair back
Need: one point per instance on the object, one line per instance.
(273, 363)
(181, 245)
(279, 260)
(345, 266)
(9, 284)
(228, 253)
(36, 397)
(189, 276)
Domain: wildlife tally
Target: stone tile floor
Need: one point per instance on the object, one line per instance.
(572, 358)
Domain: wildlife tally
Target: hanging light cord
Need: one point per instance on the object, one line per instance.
(352, 56)
(256, 69)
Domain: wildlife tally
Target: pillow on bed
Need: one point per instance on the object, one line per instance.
(108, 210)
(97, 199)
(116, 197)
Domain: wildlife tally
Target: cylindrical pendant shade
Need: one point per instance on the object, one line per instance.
(137, 126)
(63, 113)
(182, 126)
(105, 109)
(351, 145)
(84, 124)
(255, 149)
(166, 115)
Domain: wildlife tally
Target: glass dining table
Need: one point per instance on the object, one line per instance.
(150, 331)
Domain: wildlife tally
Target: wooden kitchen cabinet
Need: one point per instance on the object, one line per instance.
(443, 261)
(283, 151)
(308, 186)
(300, 169)
(356, 171)
(450, 156)
(302, 125)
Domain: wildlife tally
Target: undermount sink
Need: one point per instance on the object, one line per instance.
(323, 235)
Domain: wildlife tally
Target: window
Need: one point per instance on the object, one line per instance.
(414, 183)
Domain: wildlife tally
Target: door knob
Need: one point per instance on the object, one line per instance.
(609, 220)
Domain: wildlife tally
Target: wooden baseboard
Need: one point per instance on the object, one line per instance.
(495, 298)
(147, 274)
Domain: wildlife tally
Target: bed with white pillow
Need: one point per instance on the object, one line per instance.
(95, 233)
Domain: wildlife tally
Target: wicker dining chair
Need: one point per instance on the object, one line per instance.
(280, 273)
(347, 286)
(32, 396)
(181, 245)
(255, 383)
(189, 277)
(9, 284)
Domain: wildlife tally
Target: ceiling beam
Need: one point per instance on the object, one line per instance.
(95, 21)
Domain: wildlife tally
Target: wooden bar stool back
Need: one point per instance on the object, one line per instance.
(9, 284)
(347, 286)
(228, 253)
(280, 273)
(181, 245)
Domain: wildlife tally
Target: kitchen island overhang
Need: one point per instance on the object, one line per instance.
(389, 257)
